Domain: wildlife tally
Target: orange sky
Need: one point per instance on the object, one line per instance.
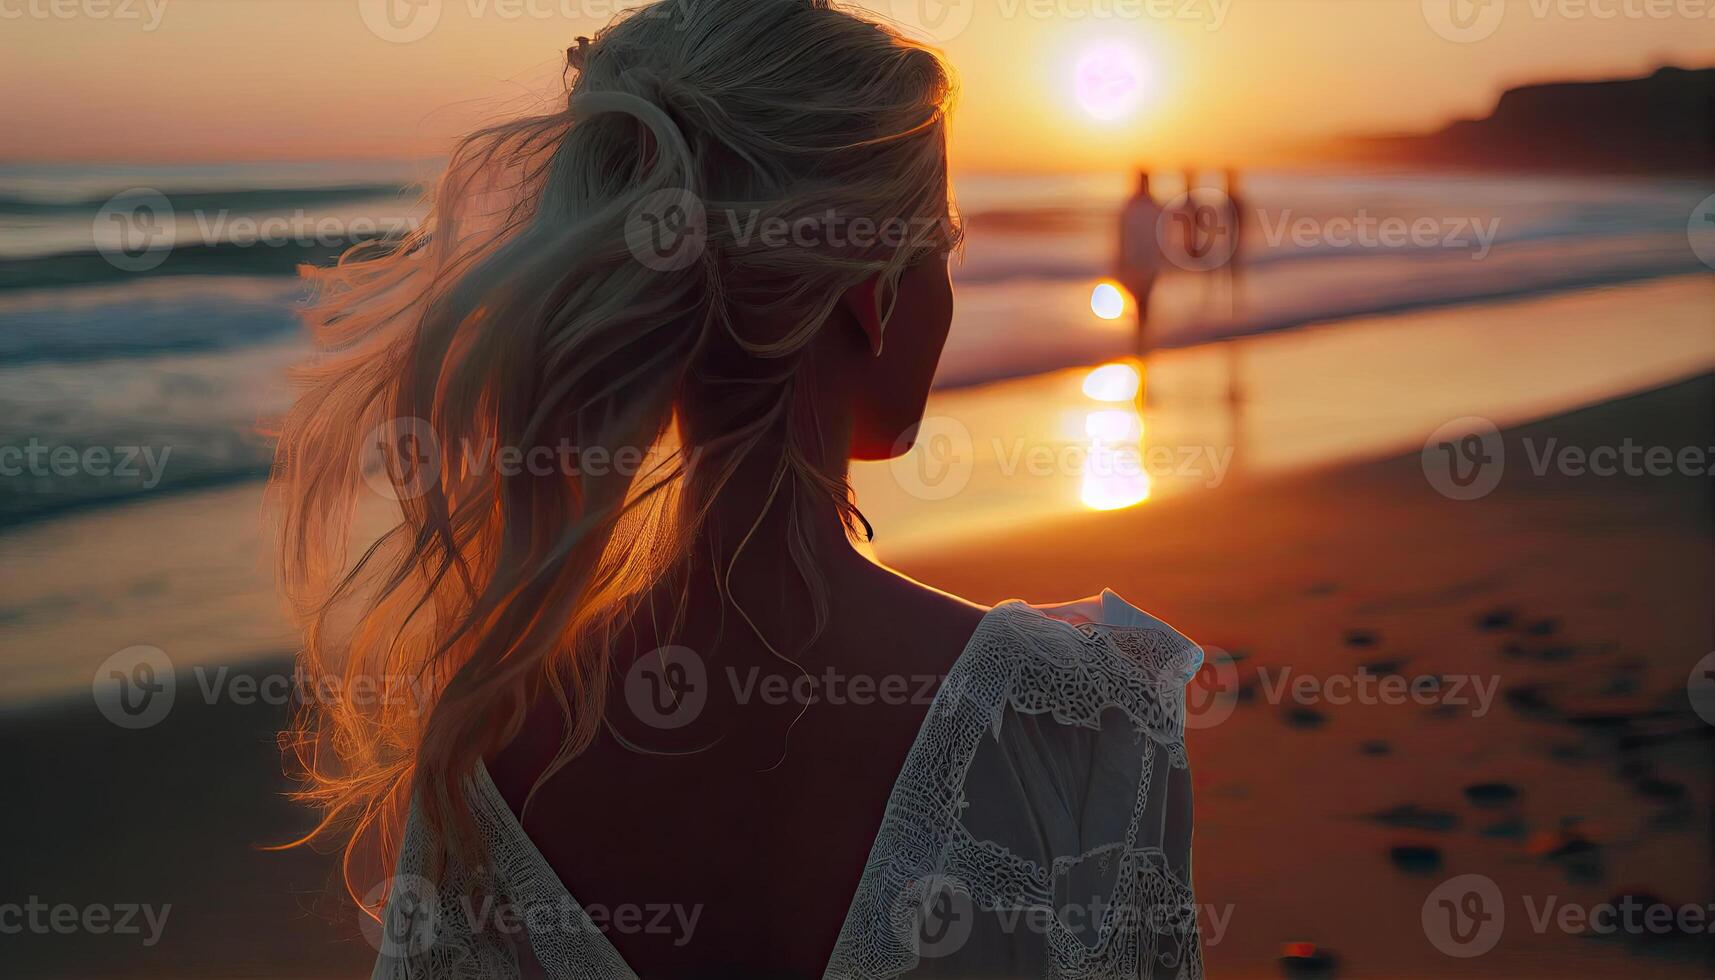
(296, 79)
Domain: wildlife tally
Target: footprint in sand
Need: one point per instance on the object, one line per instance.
(1362, 638)
(1384, 668)
(1531, 701)
(1577, 855)
(1415, 858)
(1414, 817)
(1491, 794)
(1543, 627)
(1496, 620)
(1620, 687)
(1660, 790)
(1306, 960)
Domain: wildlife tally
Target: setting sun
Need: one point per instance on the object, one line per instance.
(1112, 81)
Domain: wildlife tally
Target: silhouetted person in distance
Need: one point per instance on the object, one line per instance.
(1185, 218)
(1235, 224)
(1139, 260)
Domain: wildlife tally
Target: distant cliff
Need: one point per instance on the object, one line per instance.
(1663, 123)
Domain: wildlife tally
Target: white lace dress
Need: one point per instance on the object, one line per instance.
(1040, 827)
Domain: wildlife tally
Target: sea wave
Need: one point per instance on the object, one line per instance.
(191, 353)
(238, 199)
(94, 267)
(94, 433)
(146, 318)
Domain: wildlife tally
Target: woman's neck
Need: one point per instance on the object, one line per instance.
(766, 511)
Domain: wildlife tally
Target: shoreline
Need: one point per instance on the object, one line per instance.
(96, 584)
(974, 364)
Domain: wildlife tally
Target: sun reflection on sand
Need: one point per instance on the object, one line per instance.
(1114, 477)
(1113, 383)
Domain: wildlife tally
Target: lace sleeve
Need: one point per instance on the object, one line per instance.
(1044, 829)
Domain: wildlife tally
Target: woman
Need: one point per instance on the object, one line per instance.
(617, 385)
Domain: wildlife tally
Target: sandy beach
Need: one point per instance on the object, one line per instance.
(1582, 639)
(1591, 633)
(1368, 345)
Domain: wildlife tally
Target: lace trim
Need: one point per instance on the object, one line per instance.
(481, 924)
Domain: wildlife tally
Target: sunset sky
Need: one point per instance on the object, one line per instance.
(306, 79)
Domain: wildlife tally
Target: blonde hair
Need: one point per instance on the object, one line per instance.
(520, 316)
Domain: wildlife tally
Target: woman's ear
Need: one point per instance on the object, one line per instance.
(863, 302)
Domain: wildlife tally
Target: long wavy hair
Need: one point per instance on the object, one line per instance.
(531, 310)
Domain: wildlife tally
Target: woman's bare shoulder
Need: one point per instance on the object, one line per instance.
(897, 603)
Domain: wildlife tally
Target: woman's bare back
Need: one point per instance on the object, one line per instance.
(735, 796)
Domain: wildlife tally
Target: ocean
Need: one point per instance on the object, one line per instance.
(180, 359)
